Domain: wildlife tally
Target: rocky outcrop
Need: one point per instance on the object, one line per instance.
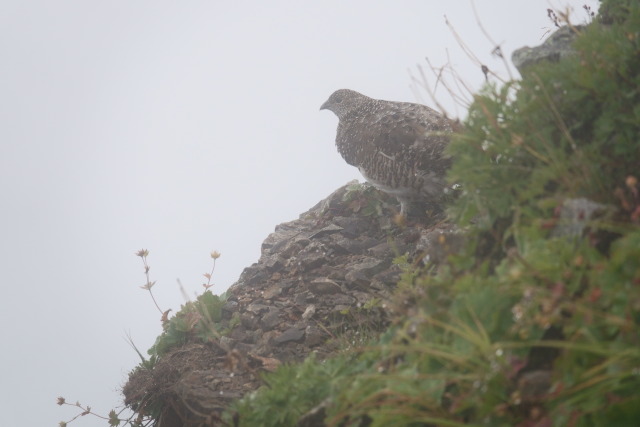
(320, 285)
(330, 270)
(559, 45)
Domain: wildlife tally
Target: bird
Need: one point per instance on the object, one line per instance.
(398, 147)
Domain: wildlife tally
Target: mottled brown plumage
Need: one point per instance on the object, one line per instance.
(397, 146)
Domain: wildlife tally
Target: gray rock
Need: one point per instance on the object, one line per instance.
(343, 299)
(293, 247)
(342, 245)
(352, 227)
(330, 229)
(314, 336)
(271, 319)
(382, 250)
(248, 320)
(357, 279)
(342, 308)
(229, 307)
(291, 334)
(257, 309)
(252, 275)
(272, 291)
(386, 278)
(301, 299)
(311, 257)
(575, 215)
(227, 343)
(324, 286)
(559, 45)
(273, 263)
(266, 342)
(309, 312)
(275, 241)
(365, 268)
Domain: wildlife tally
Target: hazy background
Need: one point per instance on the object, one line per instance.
(180, 127)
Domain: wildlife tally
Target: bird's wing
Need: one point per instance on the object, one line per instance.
(409, 133)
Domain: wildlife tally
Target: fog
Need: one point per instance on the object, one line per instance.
(182, 128)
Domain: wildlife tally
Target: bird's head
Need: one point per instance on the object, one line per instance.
(343, 101)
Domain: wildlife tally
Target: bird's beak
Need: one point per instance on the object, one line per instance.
(325, 106)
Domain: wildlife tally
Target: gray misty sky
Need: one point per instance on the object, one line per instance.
(180, 127)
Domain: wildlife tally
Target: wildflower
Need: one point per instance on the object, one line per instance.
(148, 286)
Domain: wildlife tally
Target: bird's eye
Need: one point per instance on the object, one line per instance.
(338, 99)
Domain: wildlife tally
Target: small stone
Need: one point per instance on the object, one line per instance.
(273, 263)
(249, 321)
(291, 334)
(284, 233)
(330, 229)
(271, 319)
(343, 299)
(380, 251)
(244, 347)
(299, 244)
(312, 260)
(272, 291)
(257, 308)
(360, 273)
(302, 298)
(341, 308)
(324, 286)
(314, 336)
(309, 312)
(229, 308)
(370, 266)
(239, 333)
(357, 279)
(227, 343)
(352, 227)
(342, 245)
(388, 277)
(253, 275)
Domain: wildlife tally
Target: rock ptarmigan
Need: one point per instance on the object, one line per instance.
(397, 146)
